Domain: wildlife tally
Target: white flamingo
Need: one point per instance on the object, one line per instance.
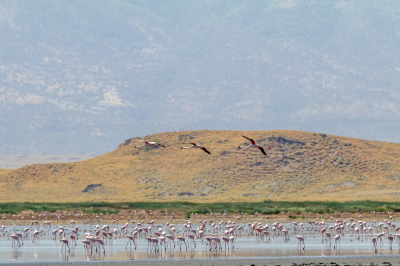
(149, 144)
(253, 144)
(195, 146)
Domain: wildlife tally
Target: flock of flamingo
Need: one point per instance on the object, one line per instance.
(213, 236)
(252, 144)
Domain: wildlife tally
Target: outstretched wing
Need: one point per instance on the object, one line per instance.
(262, 150)
(204, 149)
(252, 141)
(160, 145)
(188, 142)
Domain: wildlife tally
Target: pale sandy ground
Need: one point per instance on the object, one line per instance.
(305, 261)
(16, 161)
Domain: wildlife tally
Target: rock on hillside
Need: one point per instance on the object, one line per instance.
(299, 166)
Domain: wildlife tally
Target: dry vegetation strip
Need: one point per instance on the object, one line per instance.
(265, 207)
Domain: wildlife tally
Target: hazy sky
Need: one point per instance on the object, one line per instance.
(81, 77)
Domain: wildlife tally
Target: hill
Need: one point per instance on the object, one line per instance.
(87, 74)
(300, 166)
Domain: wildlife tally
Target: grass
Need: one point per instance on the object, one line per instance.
(265, 207)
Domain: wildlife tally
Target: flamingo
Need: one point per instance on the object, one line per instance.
(253, 144)
(64, 243)
(194, 146)
(149, 143)
(390, 238)
(232, 240)
(130, 240)
(87, 245)
(191, 237)
(328, 236)
(301, 240)
(15, 238)
(35, 236)
(171, 238)
(162, 242)
(337, 239)
(181, 239)
(226, 240)
(374, 242)
(73, 238)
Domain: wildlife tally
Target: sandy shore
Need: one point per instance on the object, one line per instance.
(292, 261)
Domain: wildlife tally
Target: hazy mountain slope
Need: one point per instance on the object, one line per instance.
(79, 77)
(300, 166)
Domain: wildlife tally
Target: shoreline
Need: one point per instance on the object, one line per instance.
(292, 261)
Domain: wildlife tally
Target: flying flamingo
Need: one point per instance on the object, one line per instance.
(253, 144)
(194, 145)
(149, 143)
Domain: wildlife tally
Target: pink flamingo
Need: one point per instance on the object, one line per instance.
(328, 236)
(217, 241)
(86, 244)
(162, 242)
(26, 232)
(337, 239)
(73, 238)
(101, 243)
(35, 236)
(301, 240)
(285, 234)
(253, 144)
(195, 146)
(232, 240)
(130, 240)
(390, 238)
(155, 244)
(181, 239)
(322, 233)
(191, 238)
(171, 238)
(75, 232)
(373, 239)
(379, 237)
(209, 241)
(226, 240)
(20, 236)
(15, 238)
(55, 231)
(149, 143)
(64, 243)
(357, 230)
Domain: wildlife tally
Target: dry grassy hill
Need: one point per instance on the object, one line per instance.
(300, 166)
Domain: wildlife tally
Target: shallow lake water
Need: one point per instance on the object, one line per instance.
(46, 249)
